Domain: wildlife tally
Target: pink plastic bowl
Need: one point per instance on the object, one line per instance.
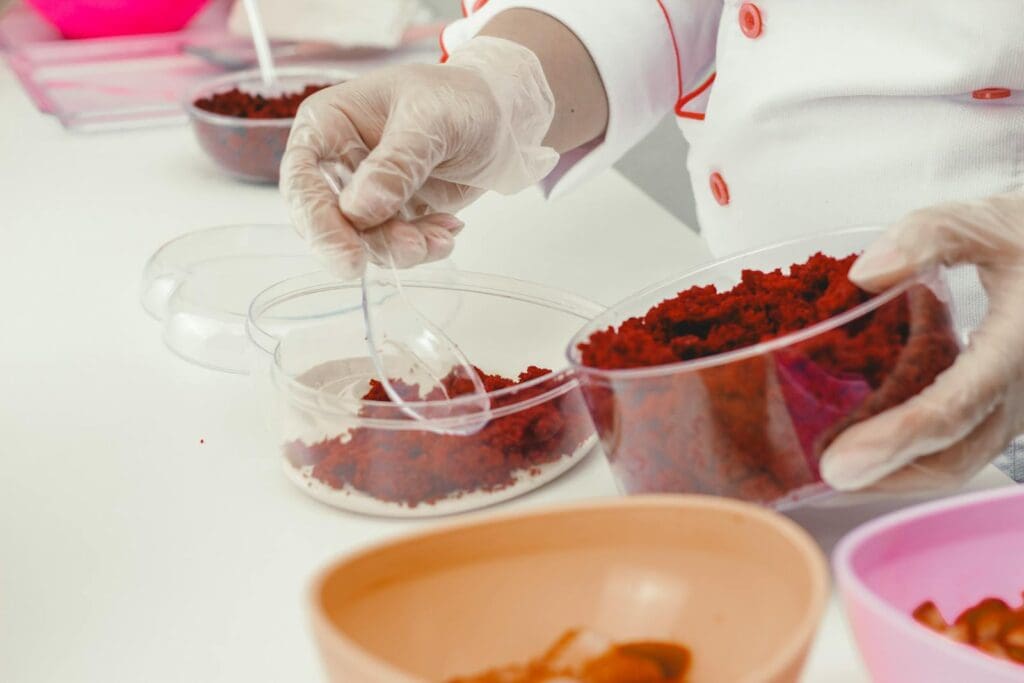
(954, 552)
(96, 18)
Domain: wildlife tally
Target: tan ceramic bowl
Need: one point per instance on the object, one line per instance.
(741, 586)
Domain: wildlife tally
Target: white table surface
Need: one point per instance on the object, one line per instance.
(130, 550)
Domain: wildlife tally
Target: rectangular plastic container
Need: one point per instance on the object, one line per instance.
(753, 423)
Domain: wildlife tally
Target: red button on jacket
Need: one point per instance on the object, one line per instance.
(750, 20)
(719, 190)
(991, 94)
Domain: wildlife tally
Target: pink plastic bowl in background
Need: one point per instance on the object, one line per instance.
(97, 18)
(954, 552)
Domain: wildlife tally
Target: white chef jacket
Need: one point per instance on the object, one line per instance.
(805, 116)
(821, 114)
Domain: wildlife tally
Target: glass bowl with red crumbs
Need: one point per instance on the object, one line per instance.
(345, 444)
(243, 127)
(733, 379)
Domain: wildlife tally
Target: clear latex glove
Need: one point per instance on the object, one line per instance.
(953, 428)
(428, 139)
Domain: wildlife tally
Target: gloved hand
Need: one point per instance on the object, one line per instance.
(953, 428)
(429, 138)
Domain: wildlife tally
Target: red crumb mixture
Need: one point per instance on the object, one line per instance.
(703, 322)
(414, 467)
(755, 427)
(243, 105)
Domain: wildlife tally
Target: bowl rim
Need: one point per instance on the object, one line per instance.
(563, 379)
(761, 348)
(803, 543)
(855, 589)
(340, 75)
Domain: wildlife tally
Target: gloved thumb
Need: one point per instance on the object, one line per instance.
(882, 265)
(972, 231)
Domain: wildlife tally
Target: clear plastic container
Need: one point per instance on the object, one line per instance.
(251, 149)
(753, 423)
(367, 455)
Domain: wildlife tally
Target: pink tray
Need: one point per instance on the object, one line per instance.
(118, 82)
(138, 81)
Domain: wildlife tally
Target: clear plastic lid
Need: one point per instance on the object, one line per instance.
(200, 285)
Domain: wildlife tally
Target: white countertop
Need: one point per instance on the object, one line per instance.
(146, 532)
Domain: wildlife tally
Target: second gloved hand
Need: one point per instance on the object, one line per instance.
(973, 410)
(426, 138)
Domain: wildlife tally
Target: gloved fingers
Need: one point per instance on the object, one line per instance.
(979, 232)
(934, 473)
(430, 238)
(940, 416)
(438, 231)
(953, 427)
(315, 214)
(321, 132)
(443, 195)
(312, 203)
(343, 118)
(949, 468)
(393, 171)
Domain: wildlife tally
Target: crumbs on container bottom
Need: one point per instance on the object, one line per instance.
(415, 472)
(352, 499)
(581, 656)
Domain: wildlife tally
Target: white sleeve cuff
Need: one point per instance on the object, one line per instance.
(632, 46)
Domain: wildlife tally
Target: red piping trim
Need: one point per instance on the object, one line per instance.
(675, 49)
(478, 5)
(689, 97)
(444, 51)
(683, 99)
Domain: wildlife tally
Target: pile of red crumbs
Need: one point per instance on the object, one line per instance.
(702, 321)
(243, 105)
(412, 467)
